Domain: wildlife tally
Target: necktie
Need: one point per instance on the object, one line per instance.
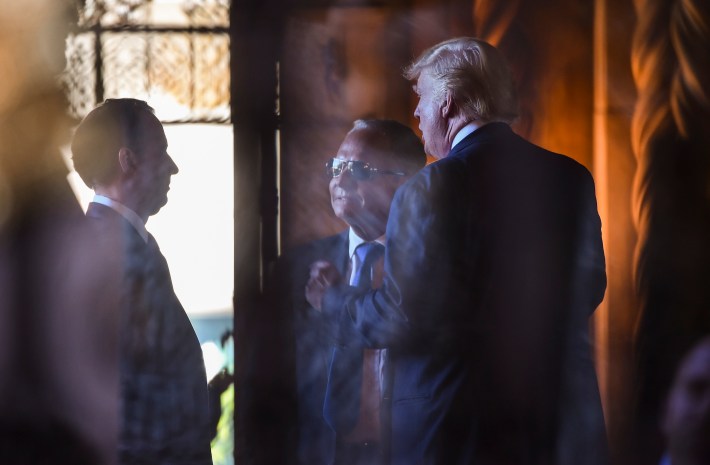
(367, 254)
(341, 408)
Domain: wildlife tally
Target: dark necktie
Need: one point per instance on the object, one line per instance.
(367, 253)
(343, 393)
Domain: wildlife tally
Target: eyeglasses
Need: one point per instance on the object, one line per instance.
(359, 169)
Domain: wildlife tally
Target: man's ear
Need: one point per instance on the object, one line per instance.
(447, 107)
(127, 160)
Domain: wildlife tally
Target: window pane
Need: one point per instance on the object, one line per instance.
(80, 75)
(169, 13)
(124, 64)
(195, 229)
(184, 74)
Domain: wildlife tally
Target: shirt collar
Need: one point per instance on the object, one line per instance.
(354, 240)
(130, 216)
(463, 132)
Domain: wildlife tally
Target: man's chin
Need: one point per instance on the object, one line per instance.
(345, 208)
(347, 214)
(158, 206)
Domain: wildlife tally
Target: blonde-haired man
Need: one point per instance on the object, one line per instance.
(493, 265)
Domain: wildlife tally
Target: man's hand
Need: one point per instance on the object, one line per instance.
(323, 275)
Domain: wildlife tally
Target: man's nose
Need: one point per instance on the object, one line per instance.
(346, 178)
(172, 166)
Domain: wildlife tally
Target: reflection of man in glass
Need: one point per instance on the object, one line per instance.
(493, 265)
(686, 423)
(374, 159)
(120, 151)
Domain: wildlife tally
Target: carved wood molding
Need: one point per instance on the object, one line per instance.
(492, 18)
(690, 36)
(671, 201)
(652, 64)
(670, 63)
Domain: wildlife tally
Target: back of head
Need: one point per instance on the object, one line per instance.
(397, 140)
(474, 73)
(686, 423)
(113, 124)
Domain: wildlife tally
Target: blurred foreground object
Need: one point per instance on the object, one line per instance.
(686, 424)
(58, 342)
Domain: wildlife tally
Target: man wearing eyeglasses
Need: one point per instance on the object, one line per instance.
(374, 159)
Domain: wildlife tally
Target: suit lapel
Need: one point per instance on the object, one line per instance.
(339, 253)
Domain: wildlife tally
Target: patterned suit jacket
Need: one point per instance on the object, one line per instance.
(164, 404)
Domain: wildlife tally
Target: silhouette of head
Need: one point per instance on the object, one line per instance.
(120, 147)
(463, 78)
(686, 422)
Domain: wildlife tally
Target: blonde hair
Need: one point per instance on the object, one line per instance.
(475, 75)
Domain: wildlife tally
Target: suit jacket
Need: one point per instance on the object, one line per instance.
(165, 416)
(493, 265)
(312, 343)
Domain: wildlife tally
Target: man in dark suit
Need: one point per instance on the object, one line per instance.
(374, 159)
(120, 151)
(493, 265)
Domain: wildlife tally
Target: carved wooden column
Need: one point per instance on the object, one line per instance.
(671, 138)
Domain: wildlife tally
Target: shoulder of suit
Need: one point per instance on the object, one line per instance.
(112, 230)
(441, 174)
(503, 135)
(102, 218)
(564, 162)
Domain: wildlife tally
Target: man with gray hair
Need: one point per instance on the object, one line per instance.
(493, 265)
(374, 159)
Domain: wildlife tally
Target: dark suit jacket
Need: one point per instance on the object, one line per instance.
(493, 265)
(165, 417)
(312, 343)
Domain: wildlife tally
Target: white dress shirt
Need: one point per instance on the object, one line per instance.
(130, 216)
(353, 242)
(465, 131)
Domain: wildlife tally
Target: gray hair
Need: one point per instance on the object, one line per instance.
(475, 75)
(397, 139)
